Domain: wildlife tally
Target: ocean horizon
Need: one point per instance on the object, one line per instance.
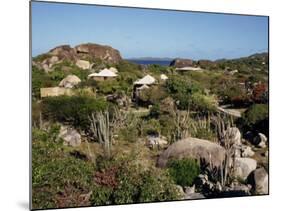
(149, 62)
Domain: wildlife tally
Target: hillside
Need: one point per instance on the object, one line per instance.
(109, 131)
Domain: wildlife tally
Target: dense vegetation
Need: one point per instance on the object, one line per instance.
(113, 164)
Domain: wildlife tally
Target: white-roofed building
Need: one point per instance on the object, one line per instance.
(163, 77)
(103, 75)
(141, 84)
(146, 80)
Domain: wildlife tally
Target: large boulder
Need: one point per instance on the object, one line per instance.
(246, 151)
(78, 55)
(83, 64)
(202, 150)
(180, 63)
(70, 136)
(259, 181)
(63, 52)
(69, 81)
(243, 167)
(95, 51)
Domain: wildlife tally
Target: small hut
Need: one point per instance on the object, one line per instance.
(142, 84)
(146, 80)
(163, 77)
(103, 75)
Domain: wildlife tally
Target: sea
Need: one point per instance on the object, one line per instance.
(148, 62)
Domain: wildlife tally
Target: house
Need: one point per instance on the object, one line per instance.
(54, 91)
(142, 84)
(103, 75)
(146, 80)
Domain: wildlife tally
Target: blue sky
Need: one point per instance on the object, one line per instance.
(152, 33)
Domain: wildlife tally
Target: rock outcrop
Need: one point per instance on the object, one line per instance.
(202, 150)
(180, 63)
(70, 136)
(83, 64)
(69, 81)
(81, 55)
(95, 51)
(259, 181)
(243, 167)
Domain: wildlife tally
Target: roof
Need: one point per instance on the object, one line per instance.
(189, 68)
(163, 77)
(103, 73)
(145, 80)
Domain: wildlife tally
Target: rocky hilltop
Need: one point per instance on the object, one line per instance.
(179, 63)
(88, 53)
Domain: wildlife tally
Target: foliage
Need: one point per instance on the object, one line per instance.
(154, 111)
(201, 128)
(153, 95)
(256, 118)
(55, 173)
(136, 185)
(157, 69)
(151, 127)
(72, 109)
(189, 94)
(184, 171)
(260, 93)
(40, 79)
(203, 103)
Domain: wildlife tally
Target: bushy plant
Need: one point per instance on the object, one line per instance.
(153, 95)
(151, 127)
(184, 171)
(55, 173)
(134, 184)
(256, 118)
(203, 103)
(72, 109)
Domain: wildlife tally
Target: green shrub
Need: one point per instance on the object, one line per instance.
(134, 183)
(256, 118)
(40, 79)
(203, 103)
(184, 171)
(182, 90)
(72, 109)
(129, 134)
(157, 186)
(151, 127)
(153, 95)
(101, 195)
(154, 111)
(56, 173)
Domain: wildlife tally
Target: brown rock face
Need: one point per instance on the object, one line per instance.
(179, 63)
(64, 52)
(88, 52)
(96, 51)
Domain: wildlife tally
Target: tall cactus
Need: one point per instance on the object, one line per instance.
(100, 127)
(224, 140)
